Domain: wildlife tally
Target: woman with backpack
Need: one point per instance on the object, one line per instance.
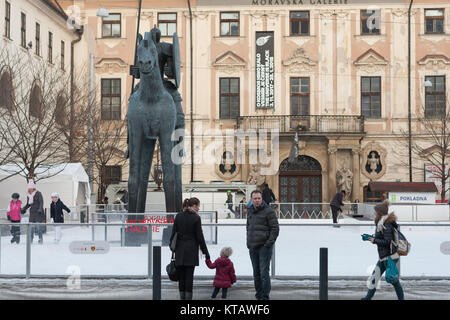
(386, 226)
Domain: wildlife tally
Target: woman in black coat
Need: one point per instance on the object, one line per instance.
(383, 239)
(188, 227)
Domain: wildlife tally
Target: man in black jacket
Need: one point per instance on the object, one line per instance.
(262, 232)
(336, 205)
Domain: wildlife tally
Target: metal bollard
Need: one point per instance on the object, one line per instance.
(156, 282)
(323, 276)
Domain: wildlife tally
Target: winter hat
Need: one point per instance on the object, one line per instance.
(31, 185)
(15, 195)
(55, 195)
(383, 207)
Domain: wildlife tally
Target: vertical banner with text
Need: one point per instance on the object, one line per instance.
(265, 73)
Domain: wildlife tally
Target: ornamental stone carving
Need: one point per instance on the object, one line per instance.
(373, 161)
(371, 61)
(344, 181)
(299, 62)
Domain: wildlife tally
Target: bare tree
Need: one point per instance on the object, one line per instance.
(28, 124)
(430, 144)
(109, 138)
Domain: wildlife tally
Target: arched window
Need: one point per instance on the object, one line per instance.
(6, 90)
(60, 110)
(36, 101)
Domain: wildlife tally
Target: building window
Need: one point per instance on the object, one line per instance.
(112, 174)
(371, 97)
(435, 103)
(38, 39)
(60, 114)
(50, 47)
(299, 96)
(229, 98)
(62, 54)
(370, 21)
(6, 90)
(167, 23)
(23, 30)
(229, 24)
(7, 20)
(434, 20)
(111, 99)
(35, 107)
(112, 26)
(299, 21)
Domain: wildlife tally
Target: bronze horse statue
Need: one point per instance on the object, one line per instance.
(151, 116)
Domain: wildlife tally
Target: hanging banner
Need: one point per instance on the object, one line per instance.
(265, 73)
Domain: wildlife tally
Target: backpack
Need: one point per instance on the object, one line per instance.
(400, 242)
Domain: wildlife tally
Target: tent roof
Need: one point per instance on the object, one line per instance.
(55, 171)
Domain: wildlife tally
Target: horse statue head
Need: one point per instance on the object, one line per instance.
(147, 55)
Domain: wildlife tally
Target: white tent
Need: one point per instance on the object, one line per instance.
(70, 180)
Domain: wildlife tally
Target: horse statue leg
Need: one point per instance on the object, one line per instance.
(134, 150)
(148, 148)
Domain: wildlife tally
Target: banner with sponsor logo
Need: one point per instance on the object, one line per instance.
(265, 73)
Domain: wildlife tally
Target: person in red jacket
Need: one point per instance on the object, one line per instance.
(225, 274)
(13, 215)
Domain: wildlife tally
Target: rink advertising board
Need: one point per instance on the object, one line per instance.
(89, 247)
(265, 71)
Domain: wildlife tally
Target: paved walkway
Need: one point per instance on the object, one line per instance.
(243, 290)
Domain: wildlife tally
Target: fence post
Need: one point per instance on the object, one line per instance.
(149, 251)
(323, 275)
(216, 229)
(292, 211)
(106, 227)
(273, 261)
(156, 282)
(28, 254)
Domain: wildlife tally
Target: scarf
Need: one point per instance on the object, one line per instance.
(380, 225)
(30, 197)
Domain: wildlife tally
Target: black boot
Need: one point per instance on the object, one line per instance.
(182, 295)
(188, 295)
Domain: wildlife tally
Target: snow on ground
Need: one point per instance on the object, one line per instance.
(296, 251)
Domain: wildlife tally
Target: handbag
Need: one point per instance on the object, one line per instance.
(171, 269)
(392, 275)
(173, 243)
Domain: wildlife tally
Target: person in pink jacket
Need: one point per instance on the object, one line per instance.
(225, 274)
(13, 215)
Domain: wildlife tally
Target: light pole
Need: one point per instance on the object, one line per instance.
(409, 92)
(101, 12)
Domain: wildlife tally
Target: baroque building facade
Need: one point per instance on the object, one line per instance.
(338, 70)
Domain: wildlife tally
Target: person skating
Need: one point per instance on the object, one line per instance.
(188, 227)
(225, 274)
(267, 195)
(13, 215)
(384, 236)
(57, 215)
(35, 202)
(262, 232)
(229, 202)
(336, 205)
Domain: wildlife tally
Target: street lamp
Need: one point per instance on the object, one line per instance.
(102, 12)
